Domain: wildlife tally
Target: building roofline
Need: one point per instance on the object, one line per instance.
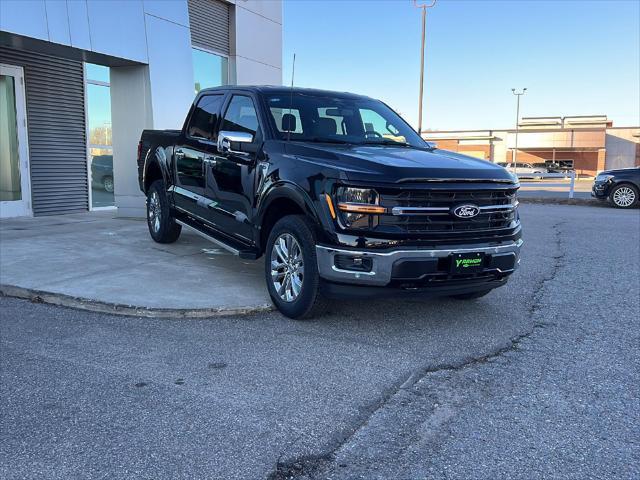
(521, 130)
(512, 130)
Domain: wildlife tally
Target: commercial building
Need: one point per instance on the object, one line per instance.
(80, 80)
(586, 144)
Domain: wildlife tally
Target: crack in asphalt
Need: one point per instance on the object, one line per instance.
(308, 466)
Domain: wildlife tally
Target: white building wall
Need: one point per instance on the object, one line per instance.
(154, 33)
(153, 97)
(25, 17)
(130, 114)
(117, 28)
(254, 60)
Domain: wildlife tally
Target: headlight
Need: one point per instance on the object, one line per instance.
(358, 206)
(603, 177)
(361, 196)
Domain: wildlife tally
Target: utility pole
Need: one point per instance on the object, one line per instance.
(424, 7)
(514, 154)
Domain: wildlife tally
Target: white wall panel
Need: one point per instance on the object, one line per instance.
(175, 10)
(24, 17)
(130, 114)
(251, 26)
(58, 22)
(269, 9)
(117, 28)
(249, 72)
(170, 72)
(79, 24)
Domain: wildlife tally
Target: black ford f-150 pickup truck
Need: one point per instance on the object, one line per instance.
(337, 191)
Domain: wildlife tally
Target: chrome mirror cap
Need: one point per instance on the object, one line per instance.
(225, 137)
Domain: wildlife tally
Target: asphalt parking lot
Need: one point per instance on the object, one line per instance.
(537, 380)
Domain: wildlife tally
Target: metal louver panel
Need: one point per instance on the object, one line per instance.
(209, 20)
(56, 128)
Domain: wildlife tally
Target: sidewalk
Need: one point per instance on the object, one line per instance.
(98, 262)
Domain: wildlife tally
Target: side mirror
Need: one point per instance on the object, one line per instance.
(225, 138)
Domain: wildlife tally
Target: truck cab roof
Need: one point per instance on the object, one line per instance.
(280, 90)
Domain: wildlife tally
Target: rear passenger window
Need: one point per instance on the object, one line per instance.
(241, 116)
(205, 117)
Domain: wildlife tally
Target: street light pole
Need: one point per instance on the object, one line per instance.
(424, 7)
(514, 154)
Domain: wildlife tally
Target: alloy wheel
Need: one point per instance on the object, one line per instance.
(107, 183)
(287, 267)
(624, 197)
(154, 211)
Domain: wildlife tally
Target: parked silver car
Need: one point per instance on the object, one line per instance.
(524, 170)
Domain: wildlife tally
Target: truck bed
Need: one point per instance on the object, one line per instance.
(154, 139)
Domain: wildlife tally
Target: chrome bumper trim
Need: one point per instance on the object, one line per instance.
(380, 274)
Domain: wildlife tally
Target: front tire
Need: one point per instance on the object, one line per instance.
(624, 196)
(291, 268)
(162, 227)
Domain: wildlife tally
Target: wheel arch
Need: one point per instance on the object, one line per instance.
(280, 201)
(155, 168)
(626, 181)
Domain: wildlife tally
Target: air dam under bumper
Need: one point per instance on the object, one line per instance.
(409, 266)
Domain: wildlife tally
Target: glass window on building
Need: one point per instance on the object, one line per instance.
(209, 70)
(100, 145)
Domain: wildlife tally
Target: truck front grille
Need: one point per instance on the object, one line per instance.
(430, 211)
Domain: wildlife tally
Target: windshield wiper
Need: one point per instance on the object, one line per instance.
(325, 140)
(385, 142)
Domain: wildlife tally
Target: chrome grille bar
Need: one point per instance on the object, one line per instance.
(442, 210)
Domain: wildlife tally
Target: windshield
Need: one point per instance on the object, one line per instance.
(324, 118)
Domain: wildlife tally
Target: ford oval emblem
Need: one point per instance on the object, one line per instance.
(466, 211)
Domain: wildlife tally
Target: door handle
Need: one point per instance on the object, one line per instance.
(179, 154)
(210, 160)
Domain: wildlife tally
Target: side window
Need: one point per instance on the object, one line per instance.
(241, 116)
(205, 117)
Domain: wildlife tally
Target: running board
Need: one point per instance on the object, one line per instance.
(236, 250)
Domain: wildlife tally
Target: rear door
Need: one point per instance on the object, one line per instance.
(197, 147)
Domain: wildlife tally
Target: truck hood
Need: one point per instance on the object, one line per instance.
(616, 171)
(390, 164)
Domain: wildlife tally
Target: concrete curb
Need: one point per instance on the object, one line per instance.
(38, 296)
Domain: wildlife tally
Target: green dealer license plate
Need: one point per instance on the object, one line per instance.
(467, 262)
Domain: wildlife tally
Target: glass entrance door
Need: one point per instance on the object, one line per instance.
(15, 188)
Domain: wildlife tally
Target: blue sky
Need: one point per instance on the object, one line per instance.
(575, 57)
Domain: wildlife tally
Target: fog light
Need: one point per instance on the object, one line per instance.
(353, 263)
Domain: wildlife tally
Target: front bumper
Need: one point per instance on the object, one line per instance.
(600, 190)
(414, 267)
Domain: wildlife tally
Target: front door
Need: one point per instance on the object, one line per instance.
(191, 154)
(230, 176)
(15, 186)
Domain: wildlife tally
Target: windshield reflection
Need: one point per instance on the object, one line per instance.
(341, 120)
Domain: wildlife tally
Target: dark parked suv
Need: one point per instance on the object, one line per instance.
(621, 187)
(336, 190)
